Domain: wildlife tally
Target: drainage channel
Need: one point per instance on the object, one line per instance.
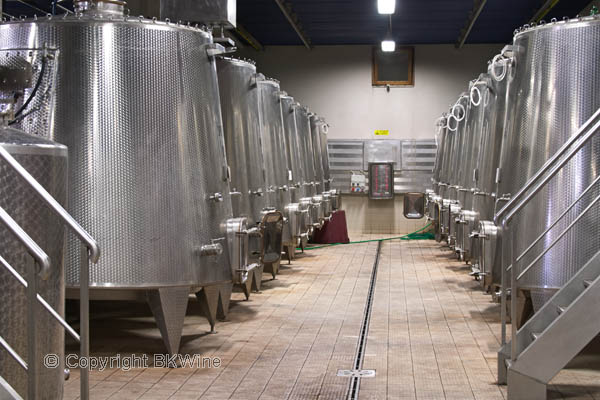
(357, 372)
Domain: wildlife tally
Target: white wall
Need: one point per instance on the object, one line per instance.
(335, 82)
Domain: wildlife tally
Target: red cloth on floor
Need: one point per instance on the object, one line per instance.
(334, 231)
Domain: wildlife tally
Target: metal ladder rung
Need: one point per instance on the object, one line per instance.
(587, 283)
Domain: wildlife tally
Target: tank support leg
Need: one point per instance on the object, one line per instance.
(257, 274)
(273, 268)
(224, 300)
(524, 308)
(289, 252)
(247, 286)
(168, 306)
(208, 297)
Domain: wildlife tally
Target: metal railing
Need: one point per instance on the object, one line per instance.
(90, 252)
(518, 202)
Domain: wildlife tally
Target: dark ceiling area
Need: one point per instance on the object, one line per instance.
(330, 22)
(335, 22)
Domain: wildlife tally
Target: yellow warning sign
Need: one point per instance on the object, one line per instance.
(382, 132)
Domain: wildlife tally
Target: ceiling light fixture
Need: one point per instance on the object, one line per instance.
(386, 6)
(388, 44)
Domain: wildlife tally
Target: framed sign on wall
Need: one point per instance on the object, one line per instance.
(394, 68)
(381, 181)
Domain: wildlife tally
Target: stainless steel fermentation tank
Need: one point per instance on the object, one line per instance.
(469, 219)
(463, 184)
(274, 156)
(239, 94)
(333, 193)
(47, 162)
(314, 128)
(442, 202)
(298, 212)
(273, 143)
(137, 104)
(307, 163)
(434, 197)
(452, 205)
(239, 106)
(484, 202)
(552, 91)
(323, 196)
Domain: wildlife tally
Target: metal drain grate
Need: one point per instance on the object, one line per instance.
(357, 372)
(363, 373)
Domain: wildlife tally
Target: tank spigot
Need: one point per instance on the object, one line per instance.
(214, 249)
(217, 197)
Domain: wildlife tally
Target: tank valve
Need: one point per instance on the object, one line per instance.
(254, 232)
(217, 197)
(214, 249)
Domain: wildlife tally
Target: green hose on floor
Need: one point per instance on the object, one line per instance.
(416, 235)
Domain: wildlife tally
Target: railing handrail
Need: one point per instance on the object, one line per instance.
(558, 219)
(40, 257)
(90, 251)
(51, 202)
(550, 168)
(582, 136)
(13, 353)
(40, 299)
(560, 236)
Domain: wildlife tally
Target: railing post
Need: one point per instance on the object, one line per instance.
(32, 359)
(514, 294)
(501, 246)
(84, 313)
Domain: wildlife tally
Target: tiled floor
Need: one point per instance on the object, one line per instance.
(433, 335)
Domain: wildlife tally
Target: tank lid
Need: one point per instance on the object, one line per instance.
(239, 61)
(100, 7)
(18, 142)
(554, 23)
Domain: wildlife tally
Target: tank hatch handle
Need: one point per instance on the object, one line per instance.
(215, 49)
(226, 42)
(508, 50)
